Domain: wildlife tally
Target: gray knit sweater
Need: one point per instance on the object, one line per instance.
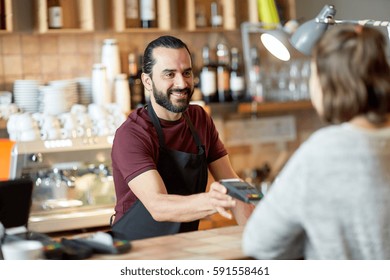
(331, 201)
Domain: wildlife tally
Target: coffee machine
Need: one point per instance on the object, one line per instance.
(73, 184)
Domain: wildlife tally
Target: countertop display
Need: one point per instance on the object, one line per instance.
(213, 244)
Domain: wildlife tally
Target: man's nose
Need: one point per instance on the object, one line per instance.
(180, 81)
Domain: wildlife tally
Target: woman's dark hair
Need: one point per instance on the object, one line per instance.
(354, 74)
(165, 42)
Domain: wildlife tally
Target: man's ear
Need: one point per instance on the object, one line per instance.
(147, 81)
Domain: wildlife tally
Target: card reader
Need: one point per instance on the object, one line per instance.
(242, 190)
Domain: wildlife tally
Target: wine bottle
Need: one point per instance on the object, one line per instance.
(148, 13)
(137, 94)
(132, 14)
(54, 14)
(223, 73)
(208, 78)
(237, 80)
(255, 77)
(216, 17)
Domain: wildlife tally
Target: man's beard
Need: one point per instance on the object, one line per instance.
(163, 99)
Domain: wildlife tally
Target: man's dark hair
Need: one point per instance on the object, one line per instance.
(164, 42)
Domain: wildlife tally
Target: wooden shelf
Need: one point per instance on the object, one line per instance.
(268, 107)
(172, 15)
(181, 15)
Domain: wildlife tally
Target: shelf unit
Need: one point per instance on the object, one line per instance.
(179, 15)
(6, 16)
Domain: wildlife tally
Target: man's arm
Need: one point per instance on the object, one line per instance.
(150, 189)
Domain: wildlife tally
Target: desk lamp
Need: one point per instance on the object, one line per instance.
(306, 36)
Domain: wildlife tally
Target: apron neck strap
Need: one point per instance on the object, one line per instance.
(157, 125)
(193, 131)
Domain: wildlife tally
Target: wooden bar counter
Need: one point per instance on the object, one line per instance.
(213, 244)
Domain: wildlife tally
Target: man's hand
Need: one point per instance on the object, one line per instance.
(221, 202)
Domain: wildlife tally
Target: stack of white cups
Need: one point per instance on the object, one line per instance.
(122, 93)
(111, 59)
(100, 92)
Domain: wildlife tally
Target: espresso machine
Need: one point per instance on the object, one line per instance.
(73, 184)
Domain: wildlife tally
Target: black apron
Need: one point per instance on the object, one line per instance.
(182, 173)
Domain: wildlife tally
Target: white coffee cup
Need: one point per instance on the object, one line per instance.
(80, 131)
(12, 123)
(26, 122)
(50, 134)
(5, 97)
(8, 109)
(50, 122)
(39, 118)
(78, 109)
(23, 250)
(69, 120)
(84, 120)
(68, 133)
(97, 112)
(28, 134)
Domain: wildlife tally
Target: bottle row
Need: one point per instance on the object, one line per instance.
(223, 79)
(132, 15)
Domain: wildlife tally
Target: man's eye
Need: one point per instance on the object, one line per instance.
(169, 75)
(187, 74)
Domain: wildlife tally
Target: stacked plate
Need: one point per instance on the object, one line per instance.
(70, 88)
(26, 94)
(53, 100)
(58, 96)
(84, 90)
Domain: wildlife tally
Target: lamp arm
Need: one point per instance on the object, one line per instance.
(363, 22)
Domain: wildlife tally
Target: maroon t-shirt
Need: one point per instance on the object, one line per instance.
(135, 149)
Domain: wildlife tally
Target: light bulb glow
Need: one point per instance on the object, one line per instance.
(275, 47)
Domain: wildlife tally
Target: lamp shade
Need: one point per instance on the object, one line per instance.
(276, 42)
(306, 36)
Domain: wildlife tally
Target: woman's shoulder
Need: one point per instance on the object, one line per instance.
(328, 133)
(328, 140)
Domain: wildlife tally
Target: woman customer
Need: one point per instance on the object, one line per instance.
(332, 199)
